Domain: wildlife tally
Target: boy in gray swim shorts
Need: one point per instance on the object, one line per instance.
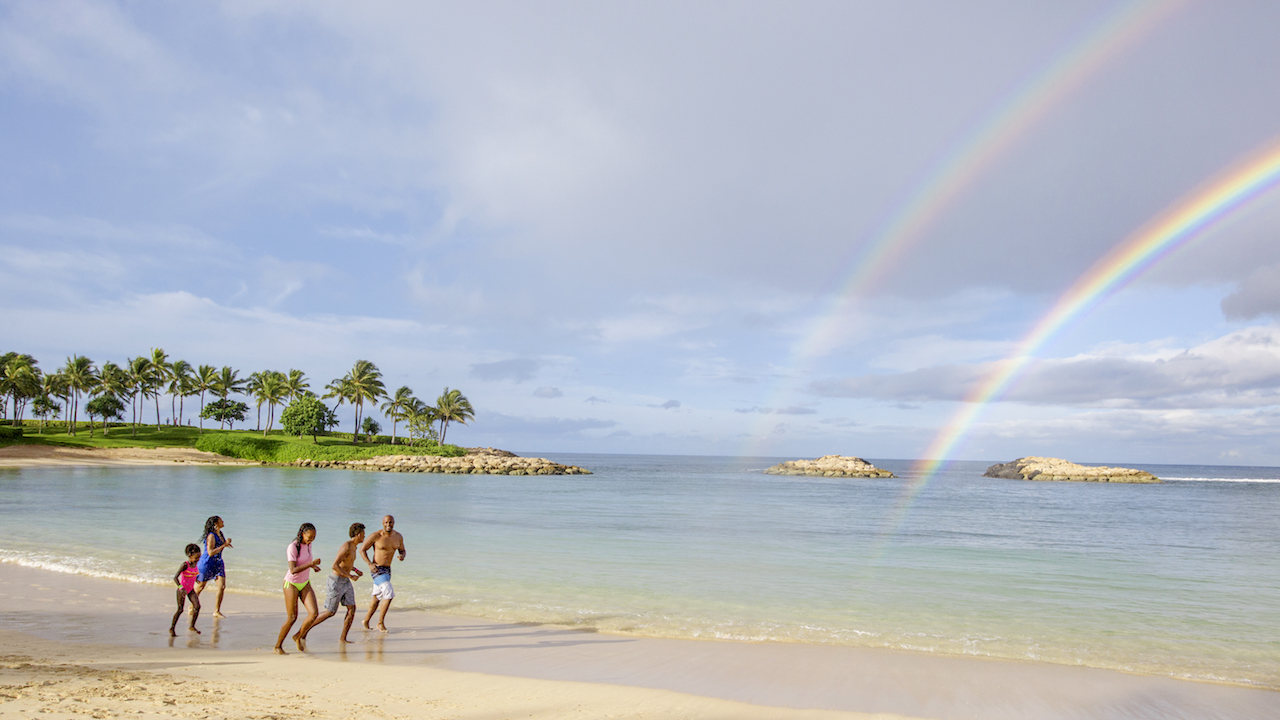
(338, 588)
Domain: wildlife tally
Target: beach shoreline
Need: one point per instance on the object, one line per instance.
(56, 612)
(38, 456)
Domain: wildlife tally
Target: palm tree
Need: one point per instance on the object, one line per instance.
(364, 383)
(229, 381)
(160, 376)
(340, 389)
(253, 388)
(138, 372)
(421, 418)
(395, 408)
(179, 387)
(453, 406)
(113, 381)
(80, 375)
(206, 379)
(19, 379)
(273, 390)
(295, 384)
(51, 386)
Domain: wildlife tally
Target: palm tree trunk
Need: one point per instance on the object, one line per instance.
(157, 399)
(202, 410)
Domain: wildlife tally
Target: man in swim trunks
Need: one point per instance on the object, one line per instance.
(386, 543)
(338, 589)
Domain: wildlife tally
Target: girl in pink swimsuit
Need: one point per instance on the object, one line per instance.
(297, 586)
(185, 579)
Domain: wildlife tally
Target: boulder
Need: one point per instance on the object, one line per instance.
(830, 466)
(1059, 470)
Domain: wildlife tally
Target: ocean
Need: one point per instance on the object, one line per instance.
(1179, 579)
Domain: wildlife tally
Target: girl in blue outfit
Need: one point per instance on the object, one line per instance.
(210, 565)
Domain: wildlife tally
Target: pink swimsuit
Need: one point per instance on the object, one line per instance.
(188, 577)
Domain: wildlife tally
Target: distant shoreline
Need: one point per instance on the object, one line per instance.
(35, 456)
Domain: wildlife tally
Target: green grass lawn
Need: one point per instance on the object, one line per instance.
(244, 444)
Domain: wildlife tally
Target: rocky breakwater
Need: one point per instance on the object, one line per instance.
(497, 462)
(830, 466)
(1042, 468)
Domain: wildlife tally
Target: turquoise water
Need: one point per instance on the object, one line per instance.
(1179, 579)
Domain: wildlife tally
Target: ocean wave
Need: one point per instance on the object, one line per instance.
(76, 566)
(92, 567)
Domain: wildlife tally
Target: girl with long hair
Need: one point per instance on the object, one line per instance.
(297, 586)
(210, 567)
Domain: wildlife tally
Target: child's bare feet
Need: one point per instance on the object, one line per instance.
(194, 630)
(280, 651)
(301, 642)
(172, 633)
(218, 614)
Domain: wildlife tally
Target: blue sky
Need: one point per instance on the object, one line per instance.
(612, 225)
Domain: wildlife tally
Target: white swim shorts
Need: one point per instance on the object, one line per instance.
(382, 589)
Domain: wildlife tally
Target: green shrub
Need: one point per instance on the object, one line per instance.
(253, 447)
(10, 433)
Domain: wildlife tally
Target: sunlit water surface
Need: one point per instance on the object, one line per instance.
(1180, 579)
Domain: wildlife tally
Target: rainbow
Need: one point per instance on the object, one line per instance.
(1175, 228)
(993, 136)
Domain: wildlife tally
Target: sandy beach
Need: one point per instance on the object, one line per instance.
(78, 645)
(34, 456)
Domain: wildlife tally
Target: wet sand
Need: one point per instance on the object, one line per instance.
(479, 668)
(27, 456)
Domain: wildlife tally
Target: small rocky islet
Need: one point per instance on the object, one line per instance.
(1057, 469)
(842, 466)
(477, 461)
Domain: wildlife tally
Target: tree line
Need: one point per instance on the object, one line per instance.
(110, 389)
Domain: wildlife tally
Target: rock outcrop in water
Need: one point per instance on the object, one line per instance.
(830, 466)
(1041, 468)
(498, 462)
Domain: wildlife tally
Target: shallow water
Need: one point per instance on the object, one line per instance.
(1179, 579)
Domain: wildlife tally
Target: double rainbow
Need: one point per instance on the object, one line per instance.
(1175, 228)
(959, 169)
(990, 140)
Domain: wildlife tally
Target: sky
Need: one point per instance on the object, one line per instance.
(653, 227)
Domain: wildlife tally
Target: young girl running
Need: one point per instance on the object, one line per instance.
(297, 585)
(185, 579)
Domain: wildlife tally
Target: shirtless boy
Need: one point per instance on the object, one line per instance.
(338, 587)
(386, 543)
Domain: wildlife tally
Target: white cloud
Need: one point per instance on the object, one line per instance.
(1240, 369)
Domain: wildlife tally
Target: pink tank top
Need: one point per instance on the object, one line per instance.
(188, 577)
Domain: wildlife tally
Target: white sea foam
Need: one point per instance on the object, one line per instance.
(76, 566)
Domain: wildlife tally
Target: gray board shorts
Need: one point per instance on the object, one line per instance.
(338, 590)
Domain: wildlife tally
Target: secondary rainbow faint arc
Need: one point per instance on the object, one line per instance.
(992, 139)
(1175, 228)
(959, 169)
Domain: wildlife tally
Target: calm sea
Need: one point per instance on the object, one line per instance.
(1179, 579)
